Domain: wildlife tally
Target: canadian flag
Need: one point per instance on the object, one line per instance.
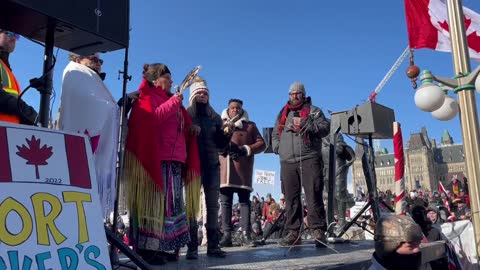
(427, 24)
(37, 156)
(441, 188)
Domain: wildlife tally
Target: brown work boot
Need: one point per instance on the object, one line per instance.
(292, 238)
(320, 238)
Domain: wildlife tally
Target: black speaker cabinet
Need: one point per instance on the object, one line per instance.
(81, 26)
(367, 119)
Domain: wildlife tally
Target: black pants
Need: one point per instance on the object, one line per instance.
(211, 187)
(309, 172)
(226, 198)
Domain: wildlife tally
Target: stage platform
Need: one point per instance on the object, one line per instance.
(352, 255)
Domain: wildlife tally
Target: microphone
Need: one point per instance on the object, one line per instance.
(296, 120)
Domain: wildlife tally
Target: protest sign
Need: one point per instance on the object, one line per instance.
(50, 215)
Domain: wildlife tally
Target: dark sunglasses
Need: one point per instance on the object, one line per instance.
(95, 59)
(11, 34)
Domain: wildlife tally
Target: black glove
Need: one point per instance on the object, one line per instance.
(236, 151)
(224, 153)
(28, 115)
(242, 151)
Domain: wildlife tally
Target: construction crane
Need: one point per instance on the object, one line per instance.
(389, 74)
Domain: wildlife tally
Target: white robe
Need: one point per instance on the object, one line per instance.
(88, 106)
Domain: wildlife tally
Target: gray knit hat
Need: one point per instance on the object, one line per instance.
(298, 87)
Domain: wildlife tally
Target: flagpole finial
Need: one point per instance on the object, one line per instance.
(413, 71)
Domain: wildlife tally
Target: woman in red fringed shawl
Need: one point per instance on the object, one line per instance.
(161, 158)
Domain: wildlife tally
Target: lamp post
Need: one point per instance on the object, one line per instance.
(428, 98)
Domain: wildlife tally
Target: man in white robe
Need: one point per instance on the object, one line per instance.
(88, 107)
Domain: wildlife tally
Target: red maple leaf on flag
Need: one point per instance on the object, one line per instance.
(473, 39)
(34, 154)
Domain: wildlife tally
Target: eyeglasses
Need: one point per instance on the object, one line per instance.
(296, 94)
(11, 34)
(94, 59)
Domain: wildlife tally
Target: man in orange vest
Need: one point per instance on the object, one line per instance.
(10, 109)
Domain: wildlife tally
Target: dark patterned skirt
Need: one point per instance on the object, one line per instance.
(175, 230)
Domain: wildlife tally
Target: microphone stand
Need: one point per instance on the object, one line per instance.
(111, 234)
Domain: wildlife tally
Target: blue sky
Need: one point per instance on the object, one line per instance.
(253, 50)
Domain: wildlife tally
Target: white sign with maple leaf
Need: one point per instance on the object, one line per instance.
(38, 156)
(50, 216)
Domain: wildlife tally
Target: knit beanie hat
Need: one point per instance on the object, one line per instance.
(297, 87)
(195, 88)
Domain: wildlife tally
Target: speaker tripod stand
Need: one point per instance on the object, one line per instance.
(115, 242)
(368, 166)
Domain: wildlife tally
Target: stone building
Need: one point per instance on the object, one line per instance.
(426, 163)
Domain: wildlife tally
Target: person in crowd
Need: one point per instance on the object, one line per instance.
(297, 138)
(266, 207)
(437, 199)
(462, 212)
(465, 185)
(282, 203)
(397, 244)
(431, 232)
(236, 168)
(444, 213)
(415, 200)
(211, 140)
(272, 216)
(419, 215)
(455, 185)
(161, 159)
(122, 234)
(464, 196)
(256, 215)
(12, 110)
(434, 216)
(389, 197)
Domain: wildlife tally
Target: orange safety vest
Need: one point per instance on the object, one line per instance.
(11, 86)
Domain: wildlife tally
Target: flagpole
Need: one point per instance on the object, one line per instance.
(468, 111)
(399, 169)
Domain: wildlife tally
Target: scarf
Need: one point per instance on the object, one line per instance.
(304, 112)
(145, 189)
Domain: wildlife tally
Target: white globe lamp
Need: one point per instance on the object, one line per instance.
(448, 110)
(477, 84)
(429, 97)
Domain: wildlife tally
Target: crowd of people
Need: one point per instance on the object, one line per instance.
(398, 238)
(451, 203)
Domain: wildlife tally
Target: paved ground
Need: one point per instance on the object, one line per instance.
(353, 255)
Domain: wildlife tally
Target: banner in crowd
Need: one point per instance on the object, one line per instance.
(461, 235)
(264, 177)
(49, 205)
